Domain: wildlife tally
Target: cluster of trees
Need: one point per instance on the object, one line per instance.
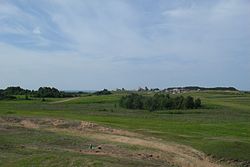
(8, 93)
(159, 102)
(103, 92)
(6, 97)
(54, 93)
(15, 91)
(48, 92)
(42, 92)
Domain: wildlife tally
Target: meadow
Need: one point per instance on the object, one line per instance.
(220, 129)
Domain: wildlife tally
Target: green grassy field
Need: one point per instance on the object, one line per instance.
(220, 129)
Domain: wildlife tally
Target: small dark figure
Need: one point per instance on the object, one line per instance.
(91, 147)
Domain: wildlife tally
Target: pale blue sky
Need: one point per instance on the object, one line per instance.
(95, 44)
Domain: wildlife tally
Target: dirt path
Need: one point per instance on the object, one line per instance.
(64, 100)
(176, 154)
(170, 153)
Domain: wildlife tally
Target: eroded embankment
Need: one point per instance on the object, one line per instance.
(157, 150)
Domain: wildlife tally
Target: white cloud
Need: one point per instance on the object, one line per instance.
(119, 44)
(106, 29)
(36, 31)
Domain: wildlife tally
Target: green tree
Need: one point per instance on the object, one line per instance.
(189, 102)
(197, 103)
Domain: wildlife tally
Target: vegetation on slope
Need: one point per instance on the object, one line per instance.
(220, 128)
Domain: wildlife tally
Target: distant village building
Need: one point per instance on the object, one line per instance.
(174, 90)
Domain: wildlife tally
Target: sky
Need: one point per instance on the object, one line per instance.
(96, 44)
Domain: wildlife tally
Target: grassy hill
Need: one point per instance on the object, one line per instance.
(221, 129)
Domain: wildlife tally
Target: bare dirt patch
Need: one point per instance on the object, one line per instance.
(29, 124)
(156, 149)
(176, 154)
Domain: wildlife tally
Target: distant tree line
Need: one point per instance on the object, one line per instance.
(42, 92)
(159, 102)
(15, 91)
(187, 88)
(191, 88)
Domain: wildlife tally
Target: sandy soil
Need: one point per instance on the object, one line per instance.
(168, 152)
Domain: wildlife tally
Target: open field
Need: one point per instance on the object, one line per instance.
(35, 133)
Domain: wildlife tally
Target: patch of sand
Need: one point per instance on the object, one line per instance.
(174, 154)
(29, 124)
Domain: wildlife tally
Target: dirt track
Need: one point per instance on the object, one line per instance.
(173, 154)
(65, 100)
